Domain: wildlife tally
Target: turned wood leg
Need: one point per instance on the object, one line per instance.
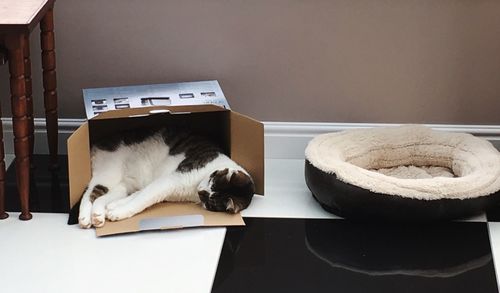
(3, 214)
(29, 95)
(49, 82)
(15, 46)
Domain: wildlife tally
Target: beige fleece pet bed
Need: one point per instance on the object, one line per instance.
(428, 174)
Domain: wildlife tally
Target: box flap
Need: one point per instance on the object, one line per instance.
(169, 215)
(247, 147)
(98, 100)
(157, 109)
(79, 168)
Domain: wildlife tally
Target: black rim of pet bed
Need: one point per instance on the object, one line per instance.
(353, 202)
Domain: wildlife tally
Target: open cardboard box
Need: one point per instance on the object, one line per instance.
(240, 137)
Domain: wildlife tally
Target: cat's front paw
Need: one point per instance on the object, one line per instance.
(84, 219)
(118, 214)
(98, 220)
(84, 222)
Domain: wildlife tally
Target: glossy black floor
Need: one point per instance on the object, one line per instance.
(306, 255)
(49, 190)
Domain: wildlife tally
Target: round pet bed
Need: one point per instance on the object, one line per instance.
(407, 172)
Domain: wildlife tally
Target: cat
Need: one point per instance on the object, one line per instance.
(135, 170)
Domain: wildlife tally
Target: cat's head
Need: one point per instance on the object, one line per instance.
(226, 190)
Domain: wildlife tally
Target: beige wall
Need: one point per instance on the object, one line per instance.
(289, 60)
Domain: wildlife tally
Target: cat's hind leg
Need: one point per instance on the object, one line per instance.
(98, 215)
(107, 172)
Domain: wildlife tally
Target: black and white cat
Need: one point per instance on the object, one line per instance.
(135, 170)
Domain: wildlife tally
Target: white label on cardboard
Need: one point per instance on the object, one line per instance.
(172, 222)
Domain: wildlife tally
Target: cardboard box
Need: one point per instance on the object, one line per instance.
(241, 138)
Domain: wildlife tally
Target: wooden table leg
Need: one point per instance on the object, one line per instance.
(49, 82)
(15, 46)
(3, 214)
(29, 95)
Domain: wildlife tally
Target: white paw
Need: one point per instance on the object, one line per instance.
(84, 219)
(84, 222)
(98, 220)
(119, 213)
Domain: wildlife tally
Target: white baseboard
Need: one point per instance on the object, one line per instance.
(66, 128)
(288, 140)
(283, 140)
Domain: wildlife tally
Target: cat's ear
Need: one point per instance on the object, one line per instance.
(220, 177)
(231, 207)
(221, 173)
(239, 178)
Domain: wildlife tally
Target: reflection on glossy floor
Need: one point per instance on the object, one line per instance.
(321, 255)
(49, 190)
